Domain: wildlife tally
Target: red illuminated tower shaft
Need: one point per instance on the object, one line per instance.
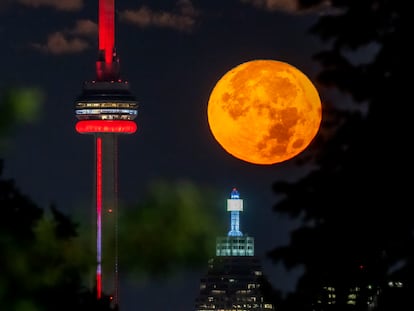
(106, 109)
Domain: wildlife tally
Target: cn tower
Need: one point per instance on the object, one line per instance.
(106, 108)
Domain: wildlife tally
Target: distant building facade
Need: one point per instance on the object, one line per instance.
(234, 279)
(363, 296)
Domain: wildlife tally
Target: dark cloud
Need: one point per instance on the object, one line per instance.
(57, 43)
(183, 20)
(63, 5)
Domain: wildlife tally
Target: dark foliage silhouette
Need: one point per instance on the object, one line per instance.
(37, 273)
(355, 206)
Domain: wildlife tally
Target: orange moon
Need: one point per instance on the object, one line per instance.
(264, 111)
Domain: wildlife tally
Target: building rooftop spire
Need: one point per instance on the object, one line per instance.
(235, 243)
(235, 206)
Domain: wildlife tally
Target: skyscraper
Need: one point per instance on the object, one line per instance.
(234, 279)
(106, 108)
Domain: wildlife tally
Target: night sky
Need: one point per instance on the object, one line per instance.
(172, 53)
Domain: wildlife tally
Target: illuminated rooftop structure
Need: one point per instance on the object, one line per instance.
(105, 109)
(235, 243)
(234, 279)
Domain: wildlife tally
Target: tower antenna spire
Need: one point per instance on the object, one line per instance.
(107, 65)
(235, 206)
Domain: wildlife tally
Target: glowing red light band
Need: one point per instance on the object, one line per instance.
(106, 126)
(98, 286)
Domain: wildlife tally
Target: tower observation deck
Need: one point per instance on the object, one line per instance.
(105, 109)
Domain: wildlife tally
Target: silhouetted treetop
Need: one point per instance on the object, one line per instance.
(355, 204)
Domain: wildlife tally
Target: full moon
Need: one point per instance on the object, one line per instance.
(264, 111)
